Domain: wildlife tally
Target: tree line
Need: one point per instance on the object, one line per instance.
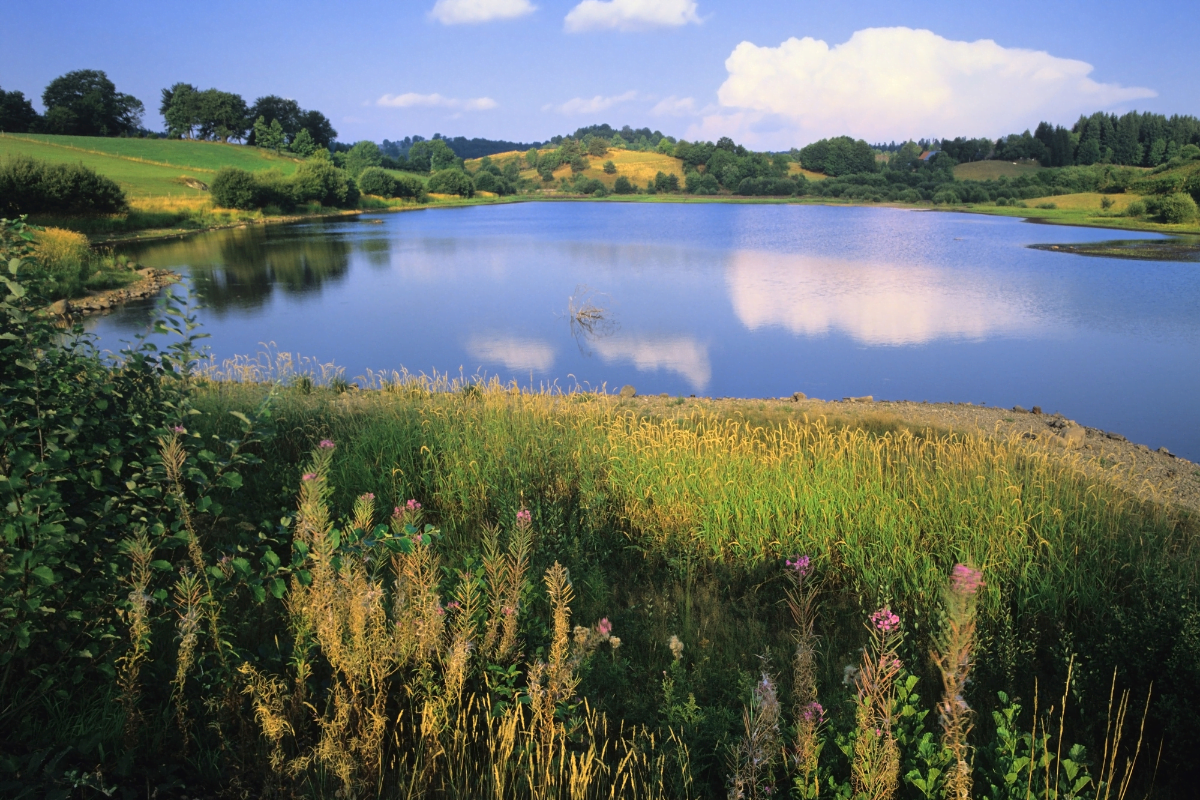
(86, 103)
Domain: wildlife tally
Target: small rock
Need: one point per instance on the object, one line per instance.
(798, 396)
(1163, 451)
(1037, 409)
(59, 308)
(867, 398)
(1116, 437)
(1019, 410)
(628, 391)
(1073, 436)
(1143, 448)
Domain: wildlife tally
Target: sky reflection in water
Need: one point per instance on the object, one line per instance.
(721, 300)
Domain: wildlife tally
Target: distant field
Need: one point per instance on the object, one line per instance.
(993, 170)
(146, 167)
(1086, 201)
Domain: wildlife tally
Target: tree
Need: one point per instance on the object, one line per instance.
(273, 107)
(318, 127)
(362, 155)
(16, 113)
(86, 103)
(269, 137)
(623, 186)
(597, 147)
(222, 115)
(377, 181)
(839, 156)
(578, 163)
(180, 109)
(531, 157)
(610, 168)
(303, 145)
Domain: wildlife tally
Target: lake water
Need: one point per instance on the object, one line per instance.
(717, 300)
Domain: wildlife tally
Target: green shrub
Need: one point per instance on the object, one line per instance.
(946, 197)
(377, 181)
(319, 180)
(29, 186)
(452, 181)
(234, 188)
(623, 186)
(1135, 209)
(412, 187)
(695, 183)
(1177, 209)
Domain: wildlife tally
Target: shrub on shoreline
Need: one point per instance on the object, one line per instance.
(30, 186)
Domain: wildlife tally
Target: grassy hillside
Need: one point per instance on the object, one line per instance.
(146, 167)
(993, 170)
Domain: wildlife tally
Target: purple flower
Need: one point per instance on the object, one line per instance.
(885, 620)
(965, 580)
(412, 505)
(814, 712)
(524, 517)
(326, 444)
(604, 627)
(179, 429)
(802, 565)
(418, 539)
(454, 604)
(308, 476)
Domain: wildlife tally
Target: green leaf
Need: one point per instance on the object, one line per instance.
(278, 587)
(260, 594)
(232, 480)
(271, 559)
(165, 566)
(244, 419)
(44, 574)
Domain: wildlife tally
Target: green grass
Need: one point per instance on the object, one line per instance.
(993, 170)
(145, 167)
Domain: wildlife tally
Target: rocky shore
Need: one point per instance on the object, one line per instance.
(149, 284)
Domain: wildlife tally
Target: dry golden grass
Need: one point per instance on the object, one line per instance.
(992, 170)
(1087, 201)
(61, 250)
(170, 203)
(796, 169)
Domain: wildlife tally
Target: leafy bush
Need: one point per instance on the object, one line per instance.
(234, 188)
(1135, 209)
(30, 186)
(451, 181)
(410, 186)
(377, 181)
(766, 187)
(1177, 208)
(623, 186)
(319, 180)
(695, 183)
(946, 197)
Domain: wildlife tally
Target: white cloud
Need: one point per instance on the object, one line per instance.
(674, 107)
(412, 99)
(457, 12)
(630, 15)
(513, 352)
(591, 105)
(679, 354)
(897, 83)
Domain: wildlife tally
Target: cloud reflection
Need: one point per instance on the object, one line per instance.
(877, 304)
(512, 352)
(679, 354)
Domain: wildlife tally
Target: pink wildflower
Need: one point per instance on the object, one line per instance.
(885, 620)
(412, 505)
(309, 476)
(367, 496)
(524, 517)
(326, 444)
(396, 512)
(604, 627)
(802, 565)
(179, 429)
(454, 604)
(965, 580)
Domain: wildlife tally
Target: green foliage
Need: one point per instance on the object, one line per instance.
(29, 186)
(235, 188)
(16, 113)
(623, 186)
(315, 180)
(362, 155)
(767, 187)
(696, 183)
(838, 156)
(269, 136)
(432, 156)
(610, 168)
(377, 181)
(451, 181)
(303, 145)
(1177, 209)
(86, 103)
(319, 180)
(664, 183)
(210, 114)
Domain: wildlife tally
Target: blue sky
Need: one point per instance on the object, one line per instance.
(773, 74)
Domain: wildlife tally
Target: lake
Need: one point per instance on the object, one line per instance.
(715, 300)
